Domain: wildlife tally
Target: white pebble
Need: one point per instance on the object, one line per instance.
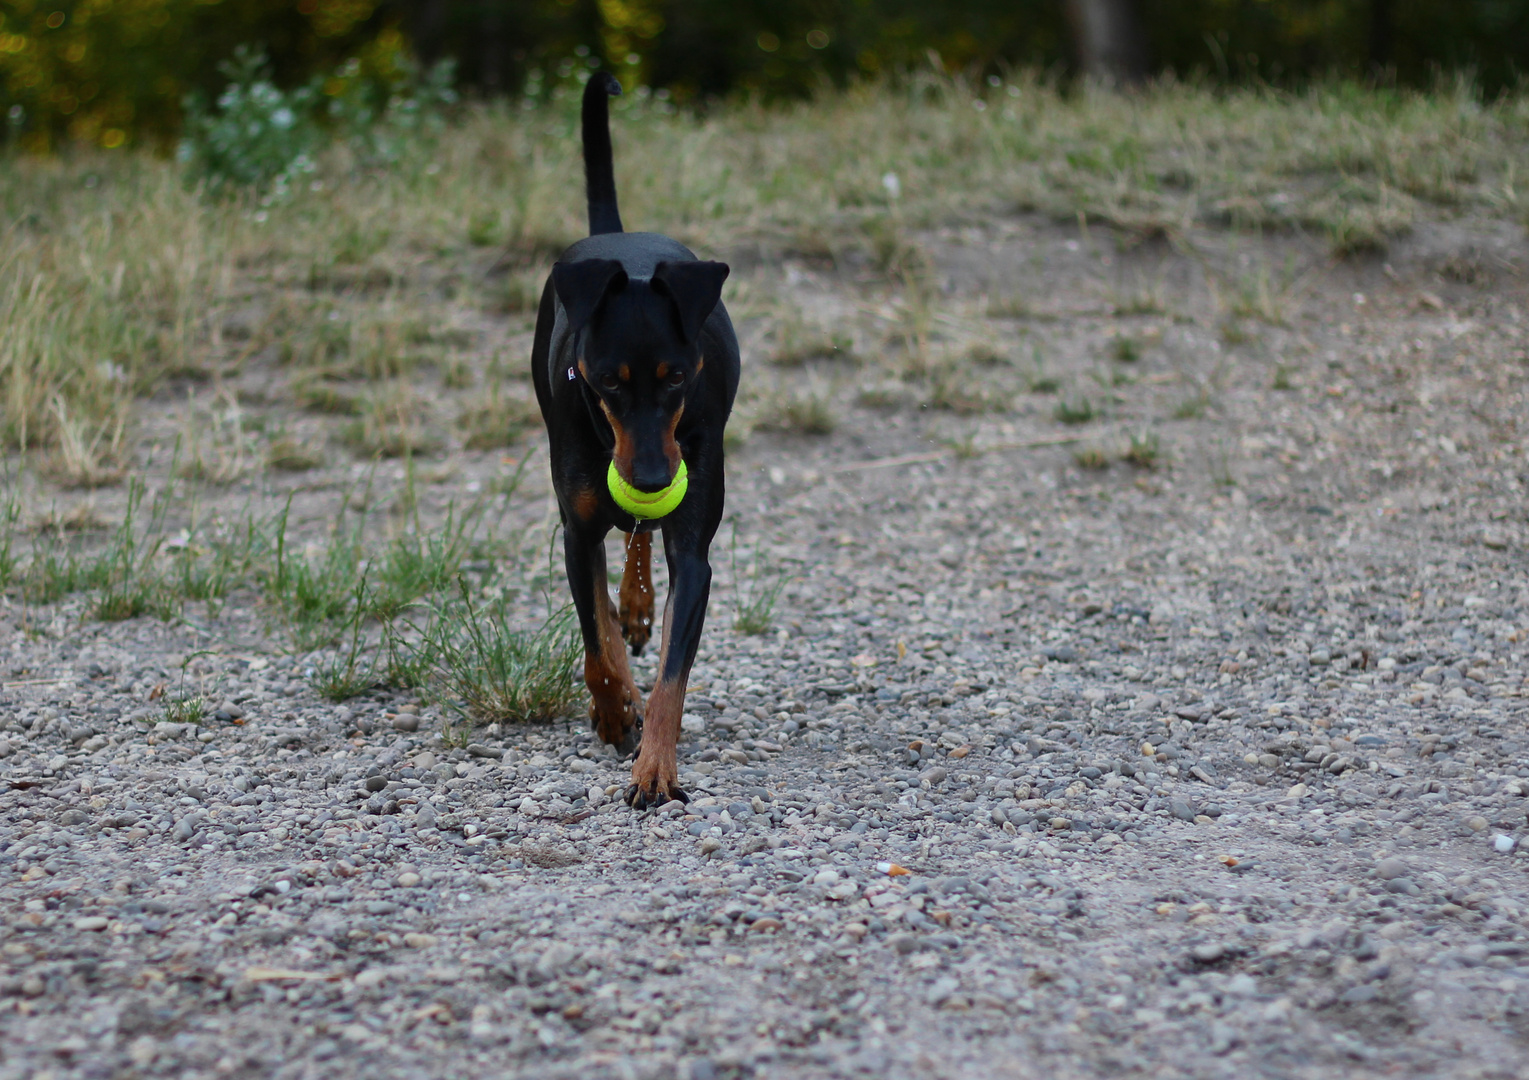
(1503, 843)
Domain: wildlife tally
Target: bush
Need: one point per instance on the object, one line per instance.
(256, 135)
(259, 137)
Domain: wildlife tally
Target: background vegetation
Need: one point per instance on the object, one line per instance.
(115, 72)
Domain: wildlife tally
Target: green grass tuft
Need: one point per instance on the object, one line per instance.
(497, 672)
(1078, 410)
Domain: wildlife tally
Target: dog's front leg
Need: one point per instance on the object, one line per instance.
(655, 773)
(615, 706)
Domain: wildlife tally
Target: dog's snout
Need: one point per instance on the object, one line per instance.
(651, 476)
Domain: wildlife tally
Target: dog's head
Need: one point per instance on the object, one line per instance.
(638, 346)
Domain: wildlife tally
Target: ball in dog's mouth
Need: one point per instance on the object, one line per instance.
(647, 505)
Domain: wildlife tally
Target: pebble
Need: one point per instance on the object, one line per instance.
(1503, 843)
(406, 722)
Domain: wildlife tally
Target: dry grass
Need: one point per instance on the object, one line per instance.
(114, 276)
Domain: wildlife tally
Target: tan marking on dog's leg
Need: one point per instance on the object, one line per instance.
(637, 591)
(615, 703)
(655, 773)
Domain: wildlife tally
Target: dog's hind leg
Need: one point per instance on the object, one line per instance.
(637, 591)
(615, 706)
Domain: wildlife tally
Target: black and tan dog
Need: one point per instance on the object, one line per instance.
(635, 362)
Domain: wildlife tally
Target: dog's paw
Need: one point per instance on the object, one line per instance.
(637, 627)
(631, 741)
(617, 722)
(654, 782)
(640, 799)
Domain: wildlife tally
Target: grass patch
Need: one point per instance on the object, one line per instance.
(114, 285)
(800, 414)
(757, 588)
(392, 423)
(1125, 349)
(497, 672)
(955, 390)
(1143, 450)
(498, 421)
(1091, 458)
(798, 341)
(287, 454)
(1079, 410)
(1192, 408)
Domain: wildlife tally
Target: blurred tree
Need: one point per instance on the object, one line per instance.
(1108, 38)
(113, 72)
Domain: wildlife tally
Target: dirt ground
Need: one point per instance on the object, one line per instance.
(1185, 738)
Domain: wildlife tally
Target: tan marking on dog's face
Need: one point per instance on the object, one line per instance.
(624, 373)
(671, 447)
(625, 450)
(662, 371)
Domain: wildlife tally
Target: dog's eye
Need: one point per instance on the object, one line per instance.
(677, 378)
(608, 382)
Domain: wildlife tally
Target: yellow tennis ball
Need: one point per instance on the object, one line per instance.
(647, 504)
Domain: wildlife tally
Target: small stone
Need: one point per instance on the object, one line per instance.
(479, 750)
(902, 944)
(1390, 869)
(375, 783)
(72, 817)
(558, 957)
(1503, 843)
(1208, 953)
(710, 844)
(934, 776)
(1061, 824)
(768, 924)
(406, 722)
(419, 941)
(91, 922)
(1242, 985)
(407, 880)
(1477, 824)
(1181, 809)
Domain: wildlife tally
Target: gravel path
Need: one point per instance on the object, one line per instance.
(1213, 769)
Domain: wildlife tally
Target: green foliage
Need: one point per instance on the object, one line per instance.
(1078, 410)
(114, 74)
(255, 135)
(1143, 450)
(499, 672)
(758, 589)
(261, 137)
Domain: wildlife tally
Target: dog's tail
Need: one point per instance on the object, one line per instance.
(599, 172)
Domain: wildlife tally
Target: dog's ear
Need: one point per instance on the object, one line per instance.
(582, 285)
(694, 287)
